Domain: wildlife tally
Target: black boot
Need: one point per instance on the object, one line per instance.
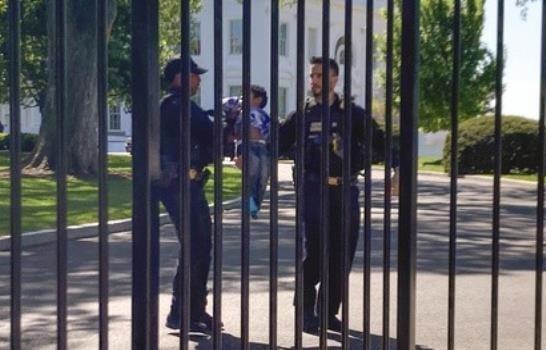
(335, 324)
(310, 322)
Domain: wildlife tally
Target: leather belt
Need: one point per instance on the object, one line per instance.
(332, 180)
(335, 181)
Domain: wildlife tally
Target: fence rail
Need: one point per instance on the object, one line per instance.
(145, 91)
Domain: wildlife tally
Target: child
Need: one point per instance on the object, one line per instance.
(259, 156)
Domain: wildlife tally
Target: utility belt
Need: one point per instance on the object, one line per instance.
(170, 173)
(332, 180)
(195, 174)
(199, 176)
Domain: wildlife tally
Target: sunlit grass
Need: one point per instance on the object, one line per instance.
(39, 195)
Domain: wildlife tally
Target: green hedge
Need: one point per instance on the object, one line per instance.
(28, 141)
(476, 145)
(4, 139)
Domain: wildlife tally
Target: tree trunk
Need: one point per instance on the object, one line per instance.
(81, 120)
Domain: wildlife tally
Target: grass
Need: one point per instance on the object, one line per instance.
(39, 195)
(4, 160)
(428, 163)
(436, 164)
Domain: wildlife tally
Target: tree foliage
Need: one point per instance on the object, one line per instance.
(120, 43)
(38, 78)
(34, 41)
(436, 59)
(524, 7)
(33, 52)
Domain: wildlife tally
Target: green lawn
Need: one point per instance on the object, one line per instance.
(38, 194)
(431, 164)
(4, 160)
(436, 164)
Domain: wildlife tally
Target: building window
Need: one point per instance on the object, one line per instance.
(115, 118)
(283, 40)
(235, 36)
(283, 101)
(312, 42)
(195, 41)
(235, 90)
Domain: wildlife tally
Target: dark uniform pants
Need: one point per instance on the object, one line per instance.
(311, 263)
(200, 231)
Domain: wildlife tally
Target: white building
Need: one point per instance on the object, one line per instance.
(203, 53)
(30, 119)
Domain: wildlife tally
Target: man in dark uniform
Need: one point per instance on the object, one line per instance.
(168, 191)
(312, 212)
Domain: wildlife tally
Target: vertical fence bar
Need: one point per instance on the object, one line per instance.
(218, 171)
(245, 219)
(454, 172)
(368, 171)
(407, 222)
(346, 172)
(324, 173)
(60, 165)
(15, 169)
(387, 179)
(102, 85)
(274, 182)
(300, 158)
(540, 192)
(145, 131)
(184, 180)
(496, 179)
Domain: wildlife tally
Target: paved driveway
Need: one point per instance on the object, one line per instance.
(516, 310)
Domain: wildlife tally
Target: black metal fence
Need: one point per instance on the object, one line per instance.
(145, 110)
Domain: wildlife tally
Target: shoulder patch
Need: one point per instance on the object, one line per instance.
(310, 101)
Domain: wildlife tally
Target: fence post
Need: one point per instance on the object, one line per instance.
(407, 232)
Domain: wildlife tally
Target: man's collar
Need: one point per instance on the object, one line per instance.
(312, 101)
(175, 90)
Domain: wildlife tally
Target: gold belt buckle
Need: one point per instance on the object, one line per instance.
(192, 174)
(334, 181)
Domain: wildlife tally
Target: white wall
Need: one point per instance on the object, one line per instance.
(30, 119)
(260, 46)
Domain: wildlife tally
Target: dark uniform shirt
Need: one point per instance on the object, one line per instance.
(201, 141)
(313, 127)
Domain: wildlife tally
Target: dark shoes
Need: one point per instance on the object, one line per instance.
(203, 324)
(208, 320)
(173, 322)
(334, 324)
(310, 323)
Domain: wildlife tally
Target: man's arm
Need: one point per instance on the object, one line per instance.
(287, 134)
(359, 129)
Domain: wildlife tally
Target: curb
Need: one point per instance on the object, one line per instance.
(30, 239)
(485, 178)
(472, 176)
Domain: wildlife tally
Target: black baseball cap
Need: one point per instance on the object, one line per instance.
(174, 65)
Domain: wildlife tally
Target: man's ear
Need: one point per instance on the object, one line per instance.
(335, 78)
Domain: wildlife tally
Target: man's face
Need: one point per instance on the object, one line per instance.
(195, 82)
(315, 79)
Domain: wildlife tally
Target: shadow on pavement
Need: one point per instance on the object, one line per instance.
(473, 255)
